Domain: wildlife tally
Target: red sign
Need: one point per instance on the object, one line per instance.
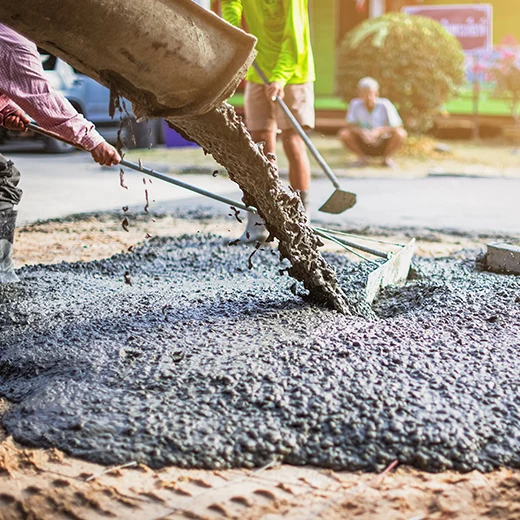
(471, 24)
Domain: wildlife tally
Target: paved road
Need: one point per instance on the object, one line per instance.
(56, 186)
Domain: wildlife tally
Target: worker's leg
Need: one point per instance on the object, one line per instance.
(395, 141)
(10, 195)
(299, 165)
(261, 123)
(266, 139)
(300, 101)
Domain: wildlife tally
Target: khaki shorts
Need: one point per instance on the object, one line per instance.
(263, 114)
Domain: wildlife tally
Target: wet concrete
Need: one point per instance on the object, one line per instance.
(204, 363)
(223, 134)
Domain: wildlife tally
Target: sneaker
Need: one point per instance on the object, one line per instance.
(389, 163)
(361, 162)
(255, 230)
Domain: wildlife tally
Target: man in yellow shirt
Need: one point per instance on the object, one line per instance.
(285, 57)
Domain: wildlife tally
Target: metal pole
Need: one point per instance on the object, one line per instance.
(190, 187)
(361, 247)
(319, 159)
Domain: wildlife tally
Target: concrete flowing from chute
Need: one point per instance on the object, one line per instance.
(178, 61)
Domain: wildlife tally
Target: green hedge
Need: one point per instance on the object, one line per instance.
(418, 64)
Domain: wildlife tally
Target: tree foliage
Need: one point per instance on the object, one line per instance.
(506, 73)
(417, 63)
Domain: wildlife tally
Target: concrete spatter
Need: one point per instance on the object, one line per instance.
(203, 363)
(222, 134)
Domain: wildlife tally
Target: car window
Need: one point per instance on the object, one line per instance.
(49, 61)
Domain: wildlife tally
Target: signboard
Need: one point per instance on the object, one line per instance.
(471, 24)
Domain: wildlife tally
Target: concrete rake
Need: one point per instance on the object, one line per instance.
(393, 271)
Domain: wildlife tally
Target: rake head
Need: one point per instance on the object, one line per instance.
(393, 271)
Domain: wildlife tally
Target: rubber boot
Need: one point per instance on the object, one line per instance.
(7, 225)
(255, 230)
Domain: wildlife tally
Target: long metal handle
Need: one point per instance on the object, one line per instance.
(321, 161)
(47, 133)
(150, 172)
(134, 166)
(190, 187)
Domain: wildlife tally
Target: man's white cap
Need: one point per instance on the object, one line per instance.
(368, 83)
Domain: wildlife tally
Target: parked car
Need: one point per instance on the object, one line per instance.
(91, 99)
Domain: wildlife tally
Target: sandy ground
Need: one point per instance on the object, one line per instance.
(92, 237)
(47, 484)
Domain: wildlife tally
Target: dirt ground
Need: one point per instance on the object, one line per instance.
(93, 237)
(48, 484)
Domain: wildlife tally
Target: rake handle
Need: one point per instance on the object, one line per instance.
(320, 160)
(200, 191)
(149, 171)
(47, 133)
(190, 187)
(355, 245)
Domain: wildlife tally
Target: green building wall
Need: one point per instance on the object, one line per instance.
(323, 15)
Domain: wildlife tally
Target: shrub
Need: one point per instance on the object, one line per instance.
(417, 63)
(506, 73)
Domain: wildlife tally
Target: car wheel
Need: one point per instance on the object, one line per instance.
(55, 146)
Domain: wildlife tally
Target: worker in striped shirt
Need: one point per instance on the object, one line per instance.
(24, 93)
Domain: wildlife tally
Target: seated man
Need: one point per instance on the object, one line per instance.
(374, 126)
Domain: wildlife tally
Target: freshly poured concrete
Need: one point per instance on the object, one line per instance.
(204, 363)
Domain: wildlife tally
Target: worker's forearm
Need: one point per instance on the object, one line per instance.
(37, 98)
(55, 113)
(292, 44)
(286, 64)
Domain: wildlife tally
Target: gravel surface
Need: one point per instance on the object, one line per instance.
(222, 133)
(202, 362)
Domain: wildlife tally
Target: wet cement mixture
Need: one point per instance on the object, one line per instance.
(222, 133)
(202, 362)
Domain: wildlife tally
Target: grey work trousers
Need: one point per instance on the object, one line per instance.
(10, 194)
